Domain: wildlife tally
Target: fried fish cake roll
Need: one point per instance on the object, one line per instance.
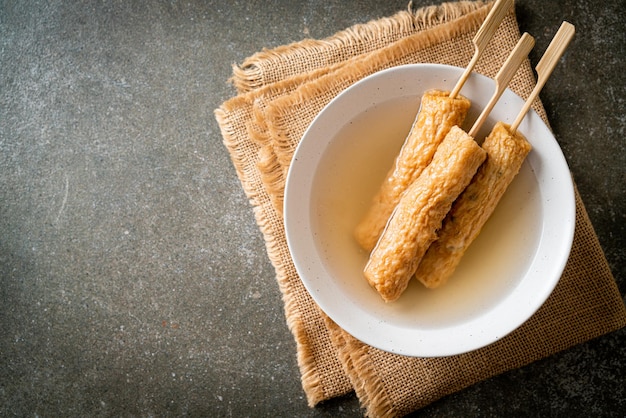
(505, 154)
(413, 224)
(438, 113)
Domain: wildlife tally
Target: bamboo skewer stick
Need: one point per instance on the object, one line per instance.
(504, 76)
(482, 38)
(545, 66)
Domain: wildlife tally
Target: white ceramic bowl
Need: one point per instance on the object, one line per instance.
(506, 275)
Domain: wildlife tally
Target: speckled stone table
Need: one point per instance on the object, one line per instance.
(133, 278)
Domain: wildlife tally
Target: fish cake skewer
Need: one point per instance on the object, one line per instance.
(413, 224)
(424, 205)
(506, 151)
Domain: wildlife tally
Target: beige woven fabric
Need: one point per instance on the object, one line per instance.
(269, 66)
(281, 91)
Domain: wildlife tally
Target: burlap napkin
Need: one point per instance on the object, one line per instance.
(280, 92)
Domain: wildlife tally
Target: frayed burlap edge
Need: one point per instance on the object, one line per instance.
(272, 172)
(272, 65)
(231, 117)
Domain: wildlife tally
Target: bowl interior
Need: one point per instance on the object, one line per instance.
(341, 193)
(507, 273)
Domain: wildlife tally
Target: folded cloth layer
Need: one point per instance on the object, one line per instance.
(280, 92)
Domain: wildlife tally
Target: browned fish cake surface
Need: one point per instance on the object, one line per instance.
(437, 115)
(419, 213)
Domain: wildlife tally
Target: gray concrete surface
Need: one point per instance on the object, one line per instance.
(133, 279)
